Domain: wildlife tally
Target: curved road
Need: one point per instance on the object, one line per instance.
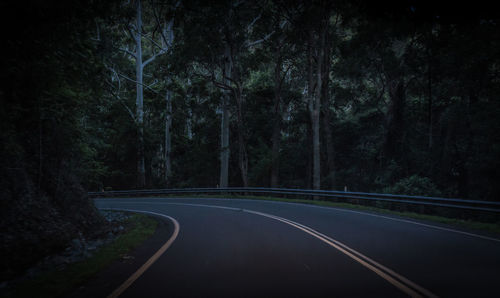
(253, 248)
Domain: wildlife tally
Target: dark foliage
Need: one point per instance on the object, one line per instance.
(47, 60)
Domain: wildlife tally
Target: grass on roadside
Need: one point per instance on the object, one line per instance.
(59, 282)
(468, 224)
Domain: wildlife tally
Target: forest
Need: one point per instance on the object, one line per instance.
(398, 98)
(323, 95)
(392, 97)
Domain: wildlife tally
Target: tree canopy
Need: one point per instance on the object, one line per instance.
(386, 97)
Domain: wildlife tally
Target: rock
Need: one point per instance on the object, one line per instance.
(114, 216)
(77, 249)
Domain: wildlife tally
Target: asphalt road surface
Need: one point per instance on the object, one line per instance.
(252, 248)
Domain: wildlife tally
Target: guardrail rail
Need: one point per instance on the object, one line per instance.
(473, 205)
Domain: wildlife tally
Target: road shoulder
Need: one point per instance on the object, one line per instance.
(106, 281)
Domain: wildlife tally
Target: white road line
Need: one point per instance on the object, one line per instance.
(152, 259)
(349, 211)
(397, 280)
(382, 216)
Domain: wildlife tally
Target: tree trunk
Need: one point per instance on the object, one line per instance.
(325, 97)
(233, 78)
(276, 136)
(242, 151)
(314, 95)
(169, 36)
(429, 102)
(224, 150)
(168, 142)
(275, 154)
(141, 172)
(243, 160)
(329, 146)
(395, 119)
(316, 149)
(430, 63)
(309, 164)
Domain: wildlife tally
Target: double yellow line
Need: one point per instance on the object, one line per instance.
(397, 280)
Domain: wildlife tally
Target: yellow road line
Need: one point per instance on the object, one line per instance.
(357, 256)
(151, 260)
(336, 209)
(397, 280)
(403, 283)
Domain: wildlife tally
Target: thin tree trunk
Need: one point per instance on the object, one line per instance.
(275, 154)
(314, 82)
(429, 103)
(168, 33)
(316, 149)
(430, 61)
(309, 164)
(395, 119)
(242, 151)
(243, 160)
(330, 153)
(276, 136)
(168, 137)
(141, 172)
(325, 96)
(224, 150)
(314, 94)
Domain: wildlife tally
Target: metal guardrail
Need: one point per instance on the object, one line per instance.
(488, 206)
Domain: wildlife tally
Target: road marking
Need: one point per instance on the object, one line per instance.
(151, 260)
(343, 210)
(360, 258)
(376, 215)
(397, 280)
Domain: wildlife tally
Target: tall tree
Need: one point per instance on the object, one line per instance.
(167, 39)
(139, 102)
(158, 45)
(237, 27)
(281, 47)
(318, 21)
(237, 32)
